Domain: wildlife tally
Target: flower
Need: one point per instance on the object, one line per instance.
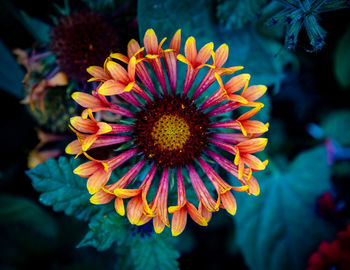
(333, 255)
(167, 131)
(80, 40)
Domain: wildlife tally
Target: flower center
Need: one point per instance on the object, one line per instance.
(170, 132)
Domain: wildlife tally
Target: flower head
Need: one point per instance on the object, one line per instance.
(80, 40)
(168, 133)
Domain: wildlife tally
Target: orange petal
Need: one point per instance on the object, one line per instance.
(254, 127)
(134, 209)
(143, 220)
(183, 59)
(254, 92)
(101, 197)
(191, 50)
(83, 125)
(151, 42)
(103, 128)
(97, 180)
(252, 145)
(88, 141)
(133, 47)
(176, 41)
(229, 202)
(236, 83)
(120, 57)
(205, 213)
(132, 68)
(86, 100)
(126, 193)
(73, 147)
(237, 98)
(111, 87)
(97, 73)
(249, 114)
(205, 53)
(195, 215)
(117, 72)
(178, 222)
(119, 206)
(86, 169)
(254, 163)
(158, 224)
(221, 55)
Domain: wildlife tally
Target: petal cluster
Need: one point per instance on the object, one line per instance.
(230, 144)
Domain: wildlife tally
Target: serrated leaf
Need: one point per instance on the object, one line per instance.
(335, 125)
(17, 210)
(279, 229)
(11, 75)
(62, 189)
(153, 253)
(38, 29)
(136, 250)
(104, 231)
(342, 60)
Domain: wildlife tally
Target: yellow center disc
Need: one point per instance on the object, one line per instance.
(170, 132)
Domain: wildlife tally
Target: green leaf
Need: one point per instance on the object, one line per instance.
(235, 13)
(38, 29)
(335, 126)
(104, 230)
(153, 252)
(279, 229)
(136, 249)
(11, 75)
(17, 210)
(342, 60)
(62, 189)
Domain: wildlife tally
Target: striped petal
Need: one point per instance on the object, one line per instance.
(111, 87)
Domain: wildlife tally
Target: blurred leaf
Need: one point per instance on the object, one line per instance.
(17, 210)
(335, 126)
(38, 29)
(235, 13)
(279, 229)
(104, 230)
(136, 249)
(342, 60)
(262, 57)
(62, 189)
(153, 252)
(11, 75)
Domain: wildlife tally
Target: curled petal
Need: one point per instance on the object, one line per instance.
(178, 222)
(191, 50)
(111, 87)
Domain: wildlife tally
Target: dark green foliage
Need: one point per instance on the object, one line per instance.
(335, 126)
(11, 75)
(235, 14)
(62, 189)
(15, 210)
(342, 60)
(280, 229)
(37, 28)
